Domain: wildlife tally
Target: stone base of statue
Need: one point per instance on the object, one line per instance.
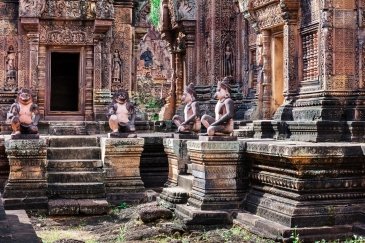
(25, 136)
(121, 135)
(220, 181)
(121, 158)
(316, 188)
(221, 138)
(186, 136)
(27, 184)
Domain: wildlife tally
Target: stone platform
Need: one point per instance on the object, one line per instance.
(317, 186)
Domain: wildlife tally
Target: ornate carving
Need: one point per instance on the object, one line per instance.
(31, 8)
(268, 17)
(10, 64)
(310, 55)
(72, 9)
(117, 67)
(185, 9)
(66, 33)
(104, 9)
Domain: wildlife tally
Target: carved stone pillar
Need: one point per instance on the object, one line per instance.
(290, 58)
(89, 83)
(190, 57)
(41, 79)
(33, 39)
(179, 77)
(266, 72)
(101, 97)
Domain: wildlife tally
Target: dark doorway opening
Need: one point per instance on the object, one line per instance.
(64, 81)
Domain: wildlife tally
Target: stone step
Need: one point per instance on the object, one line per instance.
(74, 165)
(75, 176)
(193, 216)
(75, 153)
(185, 182)
(77, 206)
(73, 141)
(76, 190)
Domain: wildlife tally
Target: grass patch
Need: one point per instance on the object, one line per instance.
(50, 236)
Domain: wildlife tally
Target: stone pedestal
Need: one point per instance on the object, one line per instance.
(177, 154)
(316, 186)
(219, 182)
(121, 158)
(27, 184)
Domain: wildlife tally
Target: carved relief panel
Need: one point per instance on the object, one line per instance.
(31, 8)
(66, 33)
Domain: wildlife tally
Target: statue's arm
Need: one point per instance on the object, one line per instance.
(229, 114)
(13, 111)
(111, 110)
(36, 116)
(132, 112)
(195, 115)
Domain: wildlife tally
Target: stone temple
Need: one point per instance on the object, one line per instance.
(296, 71)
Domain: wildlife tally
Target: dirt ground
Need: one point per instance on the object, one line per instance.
(123, 224)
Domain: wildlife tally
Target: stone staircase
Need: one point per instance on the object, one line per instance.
(75, 176)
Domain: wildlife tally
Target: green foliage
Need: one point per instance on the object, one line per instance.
(155, 12)
(354, 239)
(295, 236)
(123, 205)
(121, 235)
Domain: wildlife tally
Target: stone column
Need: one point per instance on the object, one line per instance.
(121, 158)
(4, 165)
(291, 49)
(177, 155)
(266, 69)
(179, 78)
(42, 79)
(190, 56)
(27, 184)
(33, 59)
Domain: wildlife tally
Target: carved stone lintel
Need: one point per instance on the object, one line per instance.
(30, 24)
(102, 26)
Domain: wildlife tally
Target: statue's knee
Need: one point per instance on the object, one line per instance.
(211, 131)
(113, 118)
(204, 117)
(175, 117)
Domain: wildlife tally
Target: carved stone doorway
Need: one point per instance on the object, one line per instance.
(64, 89)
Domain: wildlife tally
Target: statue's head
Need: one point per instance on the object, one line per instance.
(223, 89)
(121, 96)
(189, 94)
(25, 96)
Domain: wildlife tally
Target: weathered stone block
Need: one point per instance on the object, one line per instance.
(121, 157)
(27, 185)
(178, 159)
